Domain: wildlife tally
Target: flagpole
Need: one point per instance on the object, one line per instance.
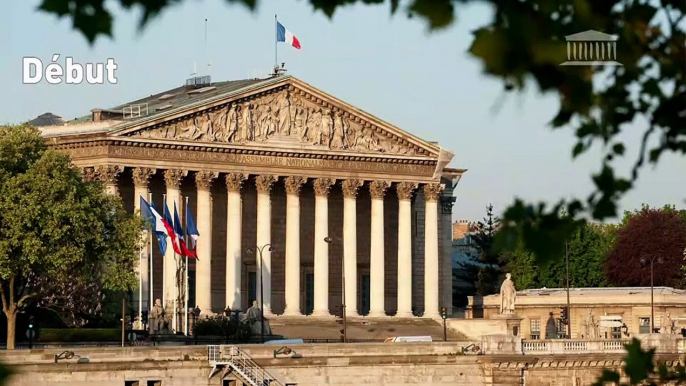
(185, 299)
(276, 41)
(140, 286)
(152, 293)
(164, 263)
(176, 277)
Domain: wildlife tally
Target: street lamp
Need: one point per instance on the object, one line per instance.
(645, 261)
(260, 250)
(328, 240)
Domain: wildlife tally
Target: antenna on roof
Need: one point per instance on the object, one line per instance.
(209, 61)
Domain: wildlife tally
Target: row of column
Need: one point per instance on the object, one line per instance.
(293, 184)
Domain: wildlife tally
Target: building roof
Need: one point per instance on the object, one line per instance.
(606, 291)
(47, 119)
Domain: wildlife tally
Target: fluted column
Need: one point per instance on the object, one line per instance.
(264, 235)
(109, 175)
(431, 192)
(203, 266)
(234, 228)
(321, 247)
(376, 266)
(405, 191)
(172, 179)
(293, 185)
(141, 178)
(350, 189)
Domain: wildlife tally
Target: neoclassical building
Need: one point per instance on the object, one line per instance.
(335, 191)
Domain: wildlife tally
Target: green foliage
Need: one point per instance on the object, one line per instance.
(641, 369)
(79, 335)
(230, 329)
(62, 240)
(522, 265)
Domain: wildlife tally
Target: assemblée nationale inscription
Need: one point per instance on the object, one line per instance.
(258, 160)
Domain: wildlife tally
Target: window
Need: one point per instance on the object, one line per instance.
(561, 329)
(131, 383)
(535, 328)
(616, 333)
(644, 325)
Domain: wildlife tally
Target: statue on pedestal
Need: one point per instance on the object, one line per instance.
(156, 318)
(508, 294)
(666, 324)
(253, 316)
(591, 327)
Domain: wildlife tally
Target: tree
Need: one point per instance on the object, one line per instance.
(522, 265)
(645, 234)
(62, 240)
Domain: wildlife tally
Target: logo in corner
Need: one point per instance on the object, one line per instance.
(591, 48)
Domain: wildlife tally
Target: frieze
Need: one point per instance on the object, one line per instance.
(137, 153)
(279, 116)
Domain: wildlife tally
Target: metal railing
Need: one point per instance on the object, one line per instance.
(242, 365)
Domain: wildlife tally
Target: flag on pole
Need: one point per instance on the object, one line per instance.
(192, 231)
(169, 225)
(286, 36)
(154, 220)
(178, 233)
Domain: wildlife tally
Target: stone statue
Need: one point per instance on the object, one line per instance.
(666, 324)
(590, 326)
(253, 316)
(156, 318)
(508, 293)
(284, 114)
(338, 137)
(231, 125)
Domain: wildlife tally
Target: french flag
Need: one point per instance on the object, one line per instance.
(192, 231)
(286, 36)
(153, 218)
(178, 235)
(169, 225)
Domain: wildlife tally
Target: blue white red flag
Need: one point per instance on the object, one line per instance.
(178, 234)
(155, 223)
(286, 36)
(192, 231)
(169, 226)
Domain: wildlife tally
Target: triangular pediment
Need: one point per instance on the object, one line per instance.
(287, 114)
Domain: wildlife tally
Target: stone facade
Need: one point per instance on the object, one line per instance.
(278, 162)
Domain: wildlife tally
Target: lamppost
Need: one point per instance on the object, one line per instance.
(645, 261)
(328, 240)
(260, 250)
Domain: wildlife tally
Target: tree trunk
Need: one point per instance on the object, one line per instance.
(11, 315)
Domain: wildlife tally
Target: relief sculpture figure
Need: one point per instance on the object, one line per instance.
(325, 128)
(231, 125)
(338, 136)
(284, 114)
(246, 124)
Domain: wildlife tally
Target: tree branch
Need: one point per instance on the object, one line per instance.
(4, 300)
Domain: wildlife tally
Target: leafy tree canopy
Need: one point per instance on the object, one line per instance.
(657, 234)
(62, 240)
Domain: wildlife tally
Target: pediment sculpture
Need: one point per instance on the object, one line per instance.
(277, 116)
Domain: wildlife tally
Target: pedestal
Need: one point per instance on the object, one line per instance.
(512, 321)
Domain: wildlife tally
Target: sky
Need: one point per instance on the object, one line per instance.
(390, 66)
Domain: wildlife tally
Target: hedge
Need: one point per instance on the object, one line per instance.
(79, 335)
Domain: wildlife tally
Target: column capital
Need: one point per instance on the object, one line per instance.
(447, 204)
(322, 186)
(264, 182)
(234, 181)
(351, 187)
(431, 191)
(405, 190)
(293, 184)
(377, 189)
(203, 179)
(173, 177)
(141, 176)
(87, 173)
(108, 173)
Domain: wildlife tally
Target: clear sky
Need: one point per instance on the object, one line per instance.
(392, 67)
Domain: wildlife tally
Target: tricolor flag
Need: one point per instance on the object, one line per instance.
(192, 231)
(178, 234)
(284, 35)
(155, 223)
(169, 225)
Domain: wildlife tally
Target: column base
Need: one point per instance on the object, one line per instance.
(352, 314)
(320, 314)
(377, 314)
(268, 314)
(404, 314)
(288, 312)
(432, 316)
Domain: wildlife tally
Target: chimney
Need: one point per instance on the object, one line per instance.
(97, 115)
